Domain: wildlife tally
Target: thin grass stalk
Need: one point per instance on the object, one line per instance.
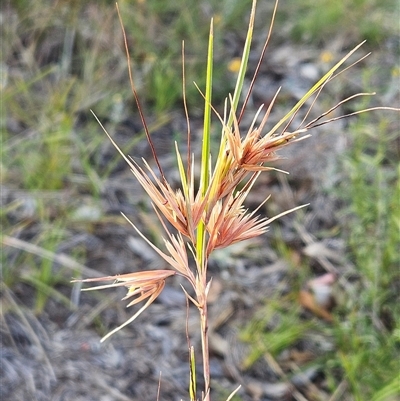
(243, 65)
(205, 153)
(247, 52)
(327, 77)
(205, 349)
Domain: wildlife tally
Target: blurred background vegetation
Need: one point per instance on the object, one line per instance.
(60, 59)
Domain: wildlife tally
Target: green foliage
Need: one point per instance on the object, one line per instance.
(372, 20)
(286, 330)
(369, 354)
(43, 161)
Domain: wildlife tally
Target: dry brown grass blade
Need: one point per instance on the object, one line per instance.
(62, 259)
(136, 96)
(33, 335)
(253, 80)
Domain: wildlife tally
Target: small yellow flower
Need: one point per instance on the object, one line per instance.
(326, 56)
(234, 65)
(395, 72)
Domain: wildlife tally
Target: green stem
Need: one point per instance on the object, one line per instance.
(205, 152)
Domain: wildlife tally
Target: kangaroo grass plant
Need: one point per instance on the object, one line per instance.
(213, 215)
